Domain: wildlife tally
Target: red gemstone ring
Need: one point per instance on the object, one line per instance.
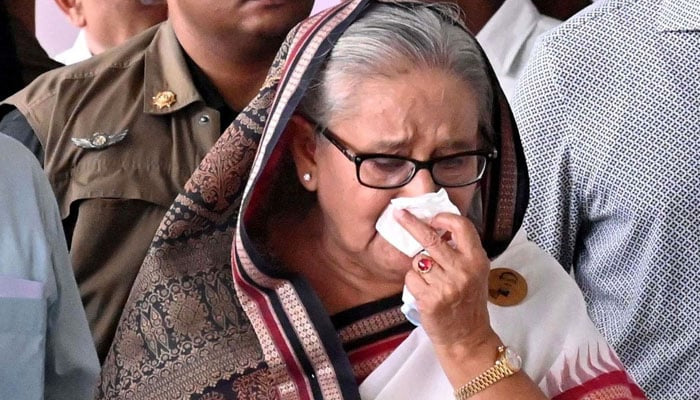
(425, 265)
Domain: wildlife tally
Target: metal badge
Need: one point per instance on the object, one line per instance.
(100, 140)
(506, 287)
(164, 99)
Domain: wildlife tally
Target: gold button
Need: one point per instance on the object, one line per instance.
(164, 99)
(506, 287)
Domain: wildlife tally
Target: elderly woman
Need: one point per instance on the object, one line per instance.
(374, 103)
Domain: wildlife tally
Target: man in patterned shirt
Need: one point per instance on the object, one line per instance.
(609, 113)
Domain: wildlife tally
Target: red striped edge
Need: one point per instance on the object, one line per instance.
(329, 20)
(255, 301)
(321, 18)
(263, 310)
(317, 20)
(600, 383)
(383, 346)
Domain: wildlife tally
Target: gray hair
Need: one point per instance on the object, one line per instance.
(383, 41)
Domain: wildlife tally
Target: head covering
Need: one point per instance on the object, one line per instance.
(198, 317)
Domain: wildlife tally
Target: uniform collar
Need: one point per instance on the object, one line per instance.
(502, 45)
(209, 92)
(678, 15)
(166, 70)
(201, 82)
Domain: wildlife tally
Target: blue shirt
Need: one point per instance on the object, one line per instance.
(46, 350)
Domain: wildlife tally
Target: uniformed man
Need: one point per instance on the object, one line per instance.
(120, 133)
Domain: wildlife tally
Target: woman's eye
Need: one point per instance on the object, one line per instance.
(387, 164)
(453, 163)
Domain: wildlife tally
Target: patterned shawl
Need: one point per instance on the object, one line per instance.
(190, 323)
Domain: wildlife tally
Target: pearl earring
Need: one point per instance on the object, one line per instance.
(307, 177)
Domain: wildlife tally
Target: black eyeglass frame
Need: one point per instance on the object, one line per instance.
(489, 154)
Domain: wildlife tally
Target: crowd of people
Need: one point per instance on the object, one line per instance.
(190, 208)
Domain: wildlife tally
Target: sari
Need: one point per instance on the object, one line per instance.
(213, 315)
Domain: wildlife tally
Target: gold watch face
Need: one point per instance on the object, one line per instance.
(512, 360)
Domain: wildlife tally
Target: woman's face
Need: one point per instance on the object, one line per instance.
(421, 114)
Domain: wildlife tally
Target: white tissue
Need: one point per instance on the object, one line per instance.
(423, 207)
(408, 308)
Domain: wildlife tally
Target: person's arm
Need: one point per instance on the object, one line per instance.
(71, 366)
(15, 125)
(553, 217)
(43, 322)
(451, 298)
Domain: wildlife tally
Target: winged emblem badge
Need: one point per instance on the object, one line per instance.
(100, 140)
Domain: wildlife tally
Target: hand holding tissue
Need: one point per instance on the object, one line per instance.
(423, 207)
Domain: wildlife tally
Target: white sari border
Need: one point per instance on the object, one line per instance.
(560, 347)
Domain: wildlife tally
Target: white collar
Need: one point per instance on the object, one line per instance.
(76, 53)
(502, 45)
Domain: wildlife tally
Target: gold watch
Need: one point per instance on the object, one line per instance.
(507, 363)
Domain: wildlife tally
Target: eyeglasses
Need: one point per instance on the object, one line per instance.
(385, 171)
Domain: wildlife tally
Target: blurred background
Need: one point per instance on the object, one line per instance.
(55, 33)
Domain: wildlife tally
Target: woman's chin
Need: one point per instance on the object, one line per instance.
(395, 260)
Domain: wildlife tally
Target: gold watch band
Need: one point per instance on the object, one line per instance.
(499, 370)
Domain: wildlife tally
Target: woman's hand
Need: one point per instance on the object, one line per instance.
(451, 297)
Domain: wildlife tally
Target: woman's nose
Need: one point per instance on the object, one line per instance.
(421, 183)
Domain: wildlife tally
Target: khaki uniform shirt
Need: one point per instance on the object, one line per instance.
(114, 198)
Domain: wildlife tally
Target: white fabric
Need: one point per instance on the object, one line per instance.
(509, 37)
(76, 53)
(408, 308)
(549, 329)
